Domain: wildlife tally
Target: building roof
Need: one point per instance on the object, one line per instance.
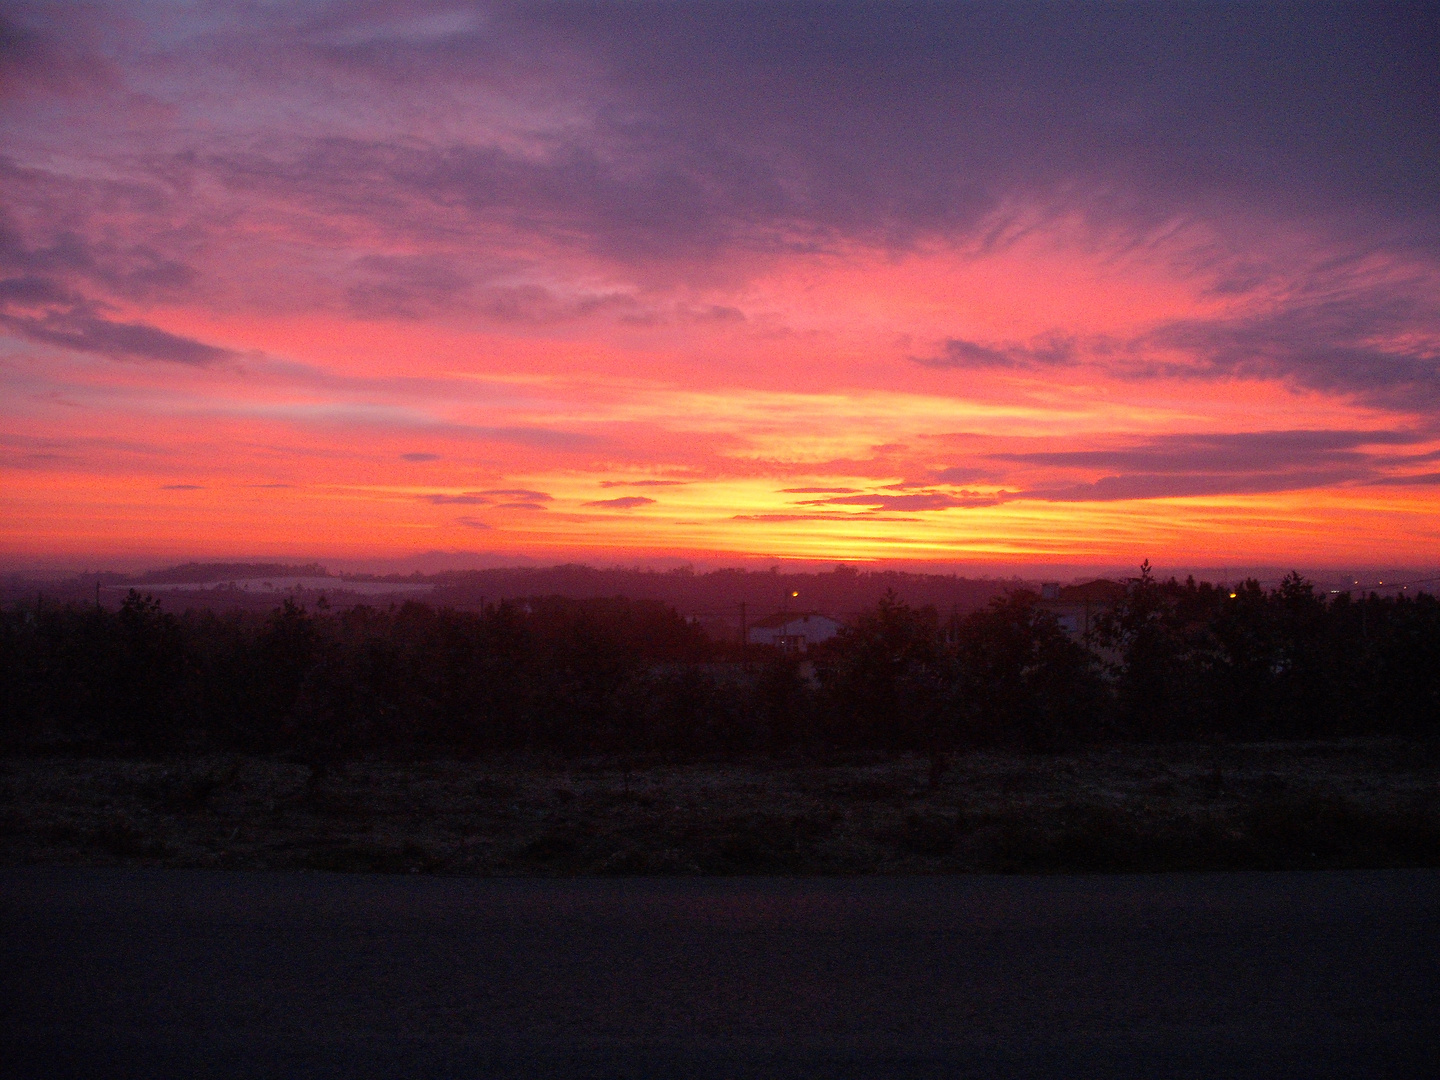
(1099, 591)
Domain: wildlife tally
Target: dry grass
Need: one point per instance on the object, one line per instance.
(1321, 805)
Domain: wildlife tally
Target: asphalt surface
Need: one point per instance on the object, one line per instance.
(157, 973)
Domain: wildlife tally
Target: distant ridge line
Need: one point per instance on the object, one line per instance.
(204, 573)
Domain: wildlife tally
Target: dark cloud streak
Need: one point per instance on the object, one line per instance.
(83, 332)
(1380, 343)
(959, 353)
(1240, 451)
(791, 126)
(50, 297)
(926, 500)
(625, 502)
(1172, 486)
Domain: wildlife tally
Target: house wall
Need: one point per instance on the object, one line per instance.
(798, 633)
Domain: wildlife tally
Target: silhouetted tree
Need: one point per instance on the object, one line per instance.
(1021, 681)
(1164, 647)
(884, 677)
(1170, 661)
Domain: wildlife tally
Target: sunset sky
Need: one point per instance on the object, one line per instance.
(974, 284)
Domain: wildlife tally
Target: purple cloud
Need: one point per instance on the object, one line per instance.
(727, 119)
(522, 494)
(927, 500)
(546, 438)
(469, 498)
(1380, 342)
(789, 126)
(1233, 463)
(694, 130)
(625, 502)
(1414, 480)
(1216, 452)
(47, 299)
(1172, 486)
(820, 516)
(959, 353)
(406, 287)
(87, 333)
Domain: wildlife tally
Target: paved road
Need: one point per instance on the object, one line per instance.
(127, 973)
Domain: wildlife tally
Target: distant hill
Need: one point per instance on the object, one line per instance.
(203, 573)
(841, 592)
(713, 597)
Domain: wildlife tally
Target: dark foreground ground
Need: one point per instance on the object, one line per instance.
(1358, 804)
(190, 973)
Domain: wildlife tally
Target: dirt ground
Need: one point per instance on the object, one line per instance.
(1337, 805)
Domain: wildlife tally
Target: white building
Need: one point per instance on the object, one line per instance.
(1076, 607)
(792, 631)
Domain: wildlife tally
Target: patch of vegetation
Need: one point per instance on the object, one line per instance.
(126, 841)
(186, 788)
(1354, 803)
(402, 858)
(1333, 831)
(932, 834)
(561, 846)
(764, 843)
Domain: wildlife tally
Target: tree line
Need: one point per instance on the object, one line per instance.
(1167, 661)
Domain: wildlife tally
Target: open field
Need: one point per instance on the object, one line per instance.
(1258, 806)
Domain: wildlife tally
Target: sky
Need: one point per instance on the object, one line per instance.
(968, 284)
